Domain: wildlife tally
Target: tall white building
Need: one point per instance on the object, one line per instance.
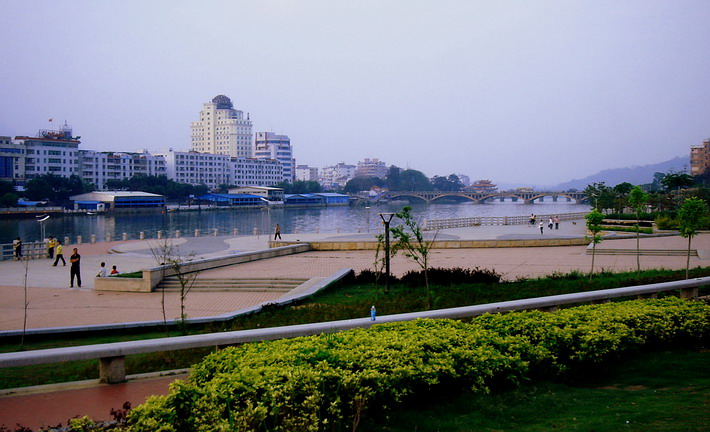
(222, 130)
(268, 145)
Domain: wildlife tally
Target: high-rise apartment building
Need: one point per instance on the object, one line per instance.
(700, 158)
(222, 129)
(268, 145)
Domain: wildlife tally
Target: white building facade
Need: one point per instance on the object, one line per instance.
(211, 170)
(255, 172)
(269, 145)
(336, 175)
(99, 167)
(371, 167)
(222, 129)
(306, 173)
(50, 152)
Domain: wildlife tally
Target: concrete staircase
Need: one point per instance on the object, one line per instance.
(279, 285)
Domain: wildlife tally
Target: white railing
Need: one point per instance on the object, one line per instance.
(437, 224)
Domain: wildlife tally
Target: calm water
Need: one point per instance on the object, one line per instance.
(324, 220)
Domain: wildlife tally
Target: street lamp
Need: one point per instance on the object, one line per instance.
(367, 219)
(386, 219)
(42, 219)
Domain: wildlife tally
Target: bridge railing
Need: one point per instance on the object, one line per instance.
(437, 224)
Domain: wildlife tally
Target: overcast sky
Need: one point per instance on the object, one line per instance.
(527, 91)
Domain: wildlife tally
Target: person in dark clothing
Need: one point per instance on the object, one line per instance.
(17, 248)
(75, 269)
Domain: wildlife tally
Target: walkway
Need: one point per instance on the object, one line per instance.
(53, 304)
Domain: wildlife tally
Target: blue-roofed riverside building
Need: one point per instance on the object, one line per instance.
(119, 201)
(316, 199)
(233, 200)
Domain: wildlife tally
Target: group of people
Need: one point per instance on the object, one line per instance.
(56, 250)
(553, 221)
(103, 273)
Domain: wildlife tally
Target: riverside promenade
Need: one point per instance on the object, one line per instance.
(51, 303)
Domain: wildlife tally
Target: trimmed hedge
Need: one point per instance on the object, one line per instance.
(328, 382)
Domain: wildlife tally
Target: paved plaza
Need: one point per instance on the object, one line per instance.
(52, 303)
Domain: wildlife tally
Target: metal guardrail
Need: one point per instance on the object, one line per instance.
(435, 224)
(112, 355)
(30, 250)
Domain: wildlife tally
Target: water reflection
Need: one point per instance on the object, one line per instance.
(308, 220)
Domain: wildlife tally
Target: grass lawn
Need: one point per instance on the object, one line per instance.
(657, 391)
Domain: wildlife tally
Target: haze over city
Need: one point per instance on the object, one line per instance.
(533, 92)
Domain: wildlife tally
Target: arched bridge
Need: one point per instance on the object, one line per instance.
(480, 197)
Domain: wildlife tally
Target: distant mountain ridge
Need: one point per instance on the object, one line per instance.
(635, 175)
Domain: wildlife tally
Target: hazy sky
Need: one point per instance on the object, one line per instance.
(528, 91)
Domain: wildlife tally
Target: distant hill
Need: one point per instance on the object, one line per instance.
(635, 175)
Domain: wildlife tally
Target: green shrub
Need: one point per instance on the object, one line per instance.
(666, 223)
(451, 276)
(134, 275)
(626, 229)
(328, 382)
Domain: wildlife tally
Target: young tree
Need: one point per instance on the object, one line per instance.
(594, 225)
(168, 258)
(409, 238)
(691, 218)
(637, 200)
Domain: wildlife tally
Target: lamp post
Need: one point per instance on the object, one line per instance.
(42, 219)
(367, 219)
(386, 219)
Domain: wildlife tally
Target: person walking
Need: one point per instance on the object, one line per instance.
(277, 232)
(50, 247)
(17, 248)
(557, 222)
(542, 227)
(549, 223)
(59, 254)
(102, 270)
(75, 270)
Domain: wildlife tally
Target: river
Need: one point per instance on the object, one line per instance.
(321, 219)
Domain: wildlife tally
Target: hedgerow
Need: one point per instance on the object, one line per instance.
(329, 382)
